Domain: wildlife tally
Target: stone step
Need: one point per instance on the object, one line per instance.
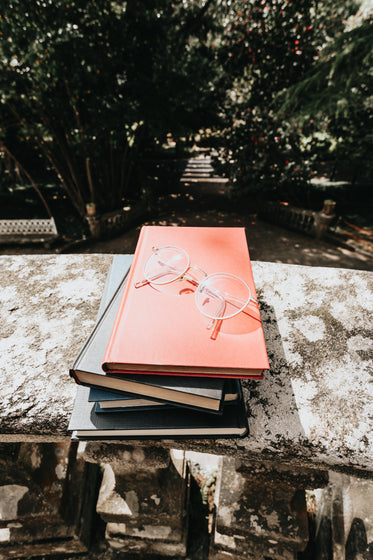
(195, 168)
(202, 172)
(198, 164)
(218, 181)
(198, 174)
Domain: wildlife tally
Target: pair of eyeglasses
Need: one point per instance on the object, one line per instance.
(218, 296)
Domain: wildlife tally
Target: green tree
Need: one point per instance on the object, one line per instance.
(268, 46)
(88, 86)
(335, 97)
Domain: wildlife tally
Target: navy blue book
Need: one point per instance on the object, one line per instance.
(109, 401)
(206, 393)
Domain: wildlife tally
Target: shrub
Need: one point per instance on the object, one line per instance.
(264, 156)
(336, 94)
(268, 46)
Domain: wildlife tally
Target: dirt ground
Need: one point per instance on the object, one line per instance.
(267, 242)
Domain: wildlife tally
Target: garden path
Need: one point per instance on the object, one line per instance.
(267, 242)
(200, 200)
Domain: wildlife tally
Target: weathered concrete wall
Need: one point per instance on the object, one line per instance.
(312, 409)
(316, 402)
(48, 306)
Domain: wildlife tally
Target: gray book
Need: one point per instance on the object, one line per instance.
(107, 401)
(206, 393)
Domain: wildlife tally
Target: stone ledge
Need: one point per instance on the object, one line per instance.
(312, 409)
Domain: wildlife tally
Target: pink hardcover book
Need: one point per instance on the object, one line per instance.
(160, 329)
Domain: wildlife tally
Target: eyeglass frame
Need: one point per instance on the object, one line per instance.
(183, 275)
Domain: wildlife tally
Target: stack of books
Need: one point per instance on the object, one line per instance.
(157, 365)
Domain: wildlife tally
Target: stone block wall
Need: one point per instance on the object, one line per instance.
(106, 501)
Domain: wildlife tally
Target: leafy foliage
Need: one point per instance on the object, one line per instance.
(267, 45)
(264, 156)
(336, 94)
(91, 85)
(88, 89)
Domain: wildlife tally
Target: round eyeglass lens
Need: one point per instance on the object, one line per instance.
(222, 295)
(166, 265)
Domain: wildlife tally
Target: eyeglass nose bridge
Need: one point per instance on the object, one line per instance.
(190, 278)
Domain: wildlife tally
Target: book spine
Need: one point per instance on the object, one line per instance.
(74, 376)
(223, 374)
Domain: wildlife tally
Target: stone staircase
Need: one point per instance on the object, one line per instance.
(196, 174)
(200, 168)
(199, 173)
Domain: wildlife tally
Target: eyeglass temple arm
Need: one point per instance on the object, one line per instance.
(220, 310)
(216, 322)
(148, 281)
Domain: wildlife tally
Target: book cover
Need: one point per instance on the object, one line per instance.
(159, 332)
(232, 390)
(86, 424)
(86, 370)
